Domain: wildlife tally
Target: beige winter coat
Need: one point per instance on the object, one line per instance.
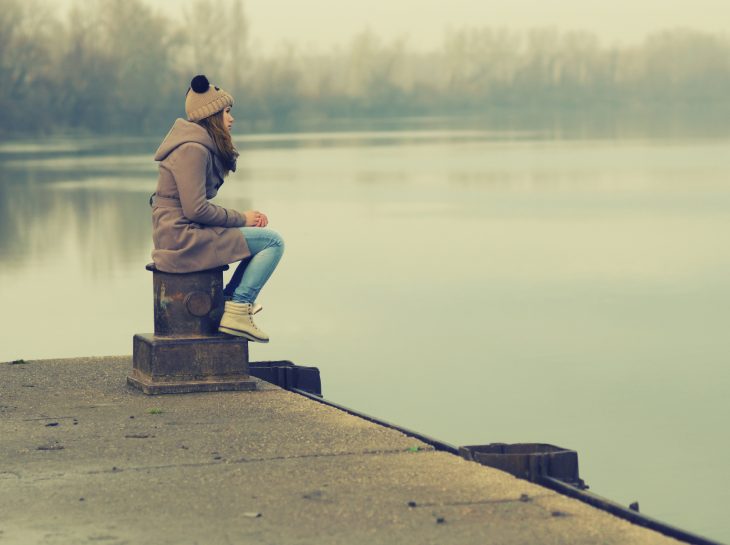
(190, 233)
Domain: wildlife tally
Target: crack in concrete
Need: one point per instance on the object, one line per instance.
(50, 418)
(480, 502)
(236, 461)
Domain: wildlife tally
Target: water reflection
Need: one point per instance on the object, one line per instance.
(40, 219)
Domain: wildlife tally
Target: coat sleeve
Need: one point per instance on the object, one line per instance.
(189, 171)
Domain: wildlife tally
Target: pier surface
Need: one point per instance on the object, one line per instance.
(84, 459)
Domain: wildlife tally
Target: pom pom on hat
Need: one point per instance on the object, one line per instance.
(200, 84)
(205, 100)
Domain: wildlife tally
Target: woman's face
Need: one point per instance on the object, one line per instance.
(228, 119)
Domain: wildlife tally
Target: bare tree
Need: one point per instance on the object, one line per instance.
(216, 32)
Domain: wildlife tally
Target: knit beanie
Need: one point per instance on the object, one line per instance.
(204, 99)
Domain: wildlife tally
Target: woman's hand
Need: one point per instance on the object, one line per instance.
(254, 218)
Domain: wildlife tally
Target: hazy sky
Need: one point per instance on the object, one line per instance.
(323, 23)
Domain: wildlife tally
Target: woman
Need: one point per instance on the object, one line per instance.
(192, 234)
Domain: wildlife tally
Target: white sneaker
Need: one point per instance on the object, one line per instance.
(238, 320)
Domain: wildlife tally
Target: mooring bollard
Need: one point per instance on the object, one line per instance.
(186, 353)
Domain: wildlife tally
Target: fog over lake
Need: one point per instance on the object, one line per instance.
(325, 24)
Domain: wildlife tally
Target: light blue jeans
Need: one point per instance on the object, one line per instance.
(267, 247)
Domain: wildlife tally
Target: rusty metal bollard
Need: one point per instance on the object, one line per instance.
(186, 353)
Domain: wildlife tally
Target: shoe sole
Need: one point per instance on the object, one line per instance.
(237, 333)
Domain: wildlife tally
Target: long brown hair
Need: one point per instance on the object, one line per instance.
(222, 138)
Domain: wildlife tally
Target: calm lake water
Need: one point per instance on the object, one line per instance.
(478, 287)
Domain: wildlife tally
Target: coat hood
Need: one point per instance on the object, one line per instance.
(182, 132)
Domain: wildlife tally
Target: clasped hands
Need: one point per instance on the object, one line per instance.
(254, 218)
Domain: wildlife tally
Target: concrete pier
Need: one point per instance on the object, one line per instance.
(85, 459)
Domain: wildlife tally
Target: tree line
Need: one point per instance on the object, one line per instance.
(120, 66)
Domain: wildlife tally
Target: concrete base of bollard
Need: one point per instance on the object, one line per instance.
(164, 365)
(185, 387)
